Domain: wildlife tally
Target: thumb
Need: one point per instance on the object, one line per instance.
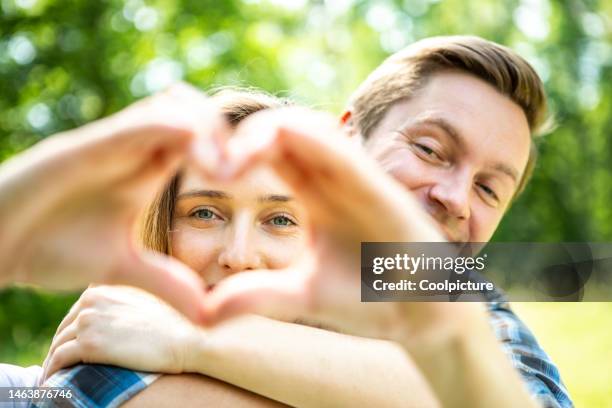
(168, 279)
(263, 292)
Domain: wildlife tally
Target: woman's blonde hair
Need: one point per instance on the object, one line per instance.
(235, 104)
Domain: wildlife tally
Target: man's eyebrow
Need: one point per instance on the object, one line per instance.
(443, 124)
(205, 193)
(279, 198)
(507, 170)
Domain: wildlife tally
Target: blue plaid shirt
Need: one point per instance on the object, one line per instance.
(97, 385)
(106, 386)
(538, 371)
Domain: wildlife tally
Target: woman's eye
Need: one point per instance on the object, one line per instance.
(281, 221)
(205, 214)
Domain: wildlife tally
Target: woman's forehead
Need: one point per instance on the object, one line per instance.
(260, 181)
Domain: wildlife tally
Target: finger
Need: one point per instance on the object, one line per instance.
(140, 185)
(71, 316)
(168, 279)
(211, 128)
(267, 134)
(305, 155)
(184, 90)
(208, 150)
(315, 171)
(63, 336)
(323, 204)
(66, 355)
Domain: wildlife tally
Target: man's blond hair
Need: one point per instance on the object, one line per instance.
(404, 73)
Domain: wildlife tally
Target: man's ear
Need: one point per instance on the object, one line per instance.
(348, 123)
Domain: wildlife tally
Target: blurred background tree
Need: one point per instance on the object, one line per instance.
(65, 63)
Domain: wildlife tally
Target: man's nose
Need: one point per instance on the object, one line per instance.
(240, 251)
(453, 195)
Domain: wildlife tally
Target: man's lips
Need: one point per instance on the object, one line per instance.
(453, 236)
(449, 226)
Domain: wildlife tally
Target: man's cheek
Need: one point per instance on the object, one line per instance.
(408, 173)
(483, 226)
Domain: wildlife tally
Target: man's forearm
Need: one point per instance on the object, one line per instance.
(468, 367)
(307, 367)
(191, 390)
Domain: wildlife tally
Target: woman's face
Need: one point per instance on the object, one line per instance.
(219, 229)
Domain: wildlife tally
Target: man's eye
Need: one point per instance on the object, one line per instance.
(488, 191)
(281, 221)
(428, 151)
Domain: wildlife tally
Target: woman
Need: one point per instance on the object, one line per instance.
(218, 230)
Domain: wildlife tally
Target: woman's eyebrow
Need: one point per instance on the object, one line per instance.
(205, 193)
(279, 198)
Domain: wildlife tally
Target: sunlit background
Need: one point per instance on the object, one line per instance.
(64, 63)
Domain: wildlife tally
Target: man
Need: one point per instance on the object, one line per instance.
(450, 119)
(461, 142)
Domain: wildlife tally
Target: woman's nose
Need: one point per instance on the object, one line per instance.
(240, 252)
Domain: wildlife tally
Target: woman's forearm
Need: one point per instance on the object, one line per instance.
(307, 367)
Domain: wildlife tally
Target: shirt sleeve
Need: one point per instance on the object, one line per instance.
(15, 376)
(539, 373)
(97, 386)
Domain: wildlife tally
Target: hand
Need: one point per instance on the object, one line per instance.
(122, 326)
(349, 199)
(68, 205)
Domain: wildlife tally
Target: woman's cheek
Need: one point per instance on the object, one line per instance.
(280, 252)
(198, 249)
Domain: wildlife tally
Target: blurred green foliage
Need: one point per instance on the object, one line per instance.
(65, 63)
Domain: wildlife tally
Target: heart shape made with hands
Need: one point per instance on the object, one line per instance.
(94, 181)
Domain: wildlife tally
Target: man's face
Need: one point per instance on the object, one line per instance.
(461, 147)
